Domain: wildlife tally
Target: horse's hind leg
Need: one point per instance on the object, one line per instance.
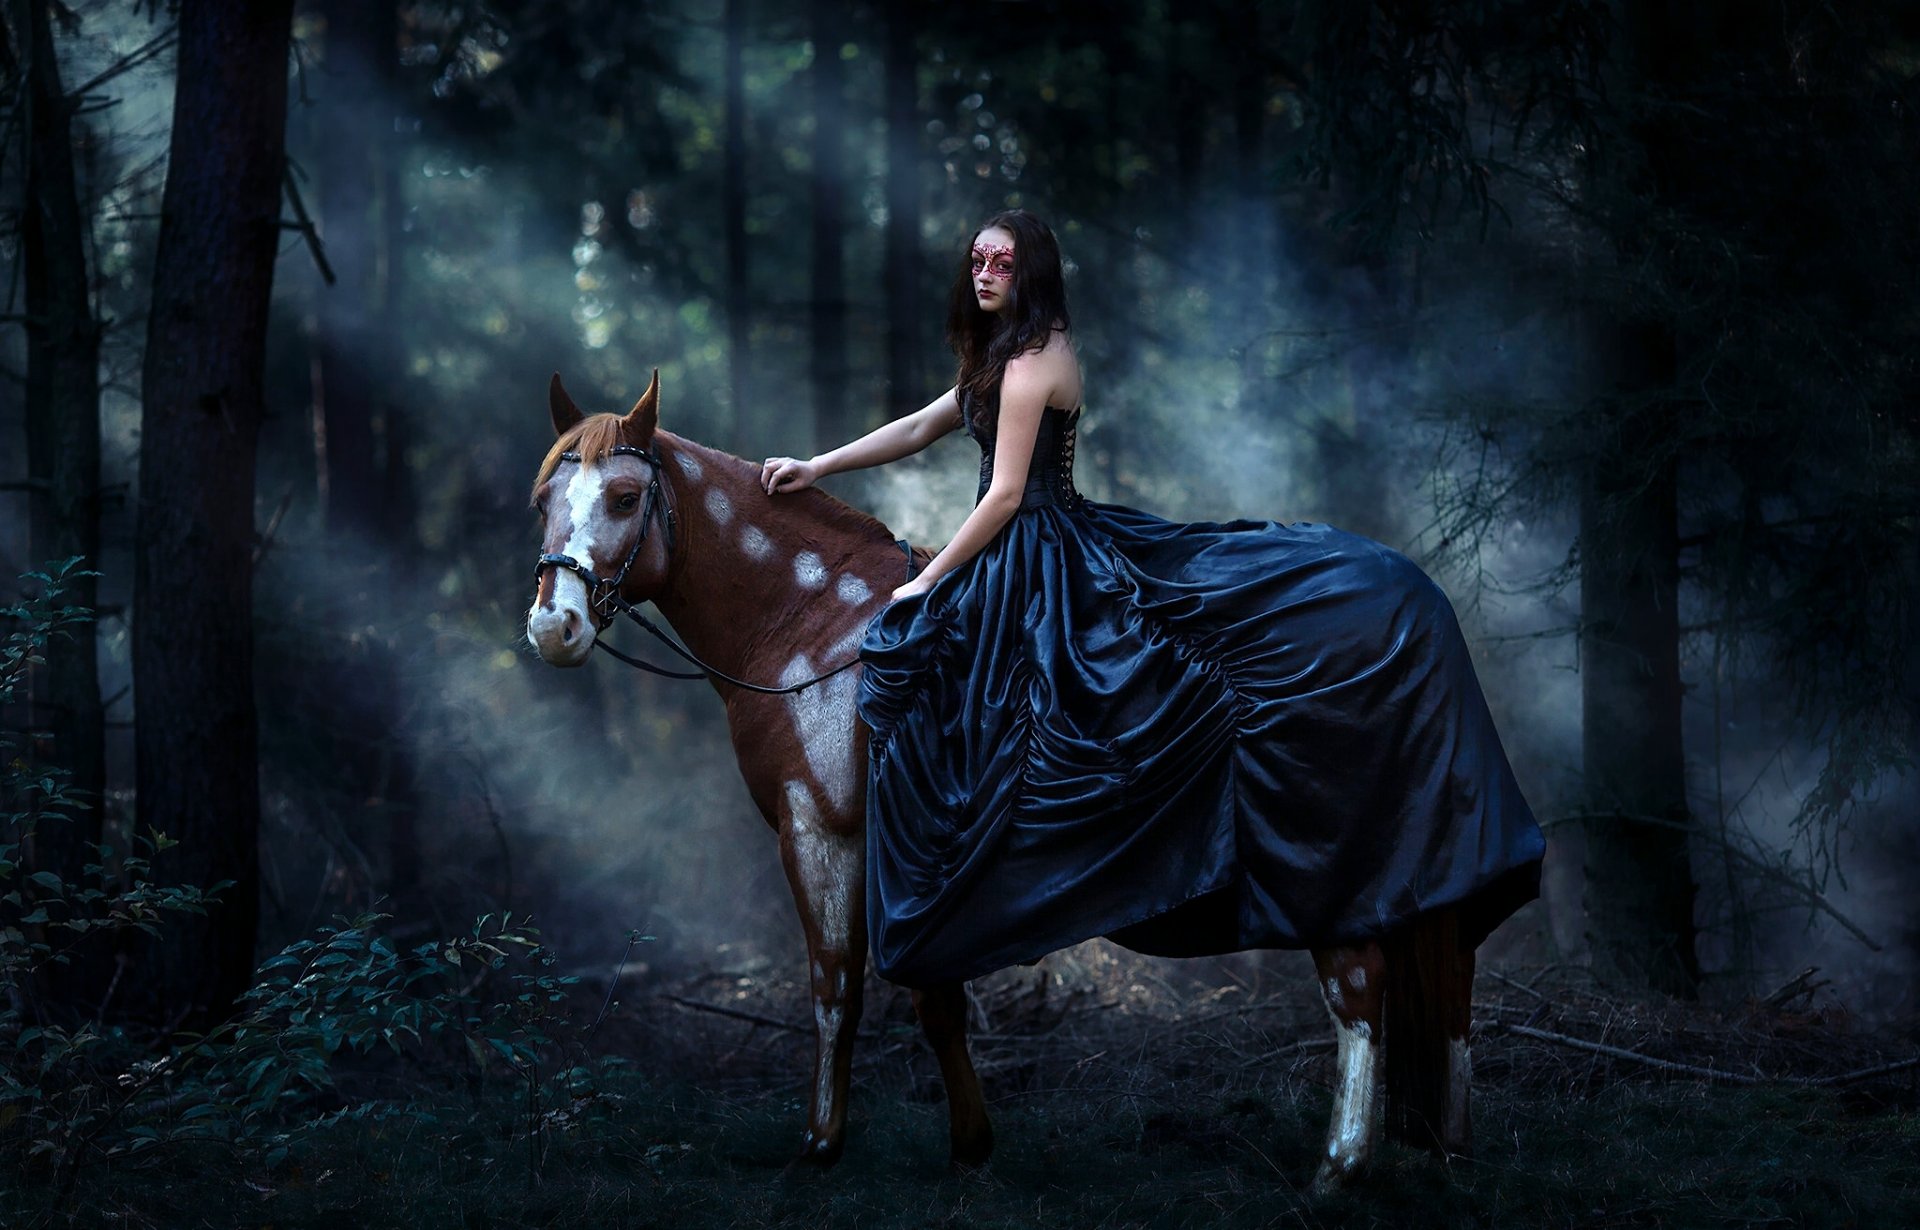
(1456, 1132)
(827, 872)
(1350, 979)
(1429, 1006)
(943, 1015)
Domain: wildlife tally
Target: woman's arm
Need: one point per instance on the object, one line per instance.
(1023, 396)
(889, 442)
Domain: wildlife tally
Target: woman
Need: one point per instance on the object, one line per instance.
(1192, 738)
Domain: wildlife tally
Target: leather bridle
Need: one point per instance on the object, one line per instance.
(603, 593)
(605, 601)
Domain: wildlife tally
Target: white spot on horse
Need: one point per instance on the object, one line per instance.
(809, 570)
(852, 589)
(719, 507)
(689, 466)
(754, 541)
(1336, 1001)
(824, 718)
(1357, 978)
(848, 645)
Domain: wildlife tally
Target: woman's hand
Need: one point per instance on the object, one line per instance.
(778, 474)
(919, 585)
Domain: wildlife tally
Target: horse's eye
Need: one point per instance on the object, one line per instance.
(628, 502)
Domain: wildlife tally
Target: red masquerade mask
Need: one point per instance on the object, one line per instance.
(996, 260)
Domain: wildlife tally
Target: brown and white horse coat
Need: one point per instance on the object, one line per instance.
(779, 591)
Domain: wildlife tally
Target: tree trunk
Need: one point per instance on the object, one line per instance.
(63, 435)
(360, 35)
(733, 219)
(1640, 886)
(832, 424)
(196, 764)
(369, 510)
(905, 384)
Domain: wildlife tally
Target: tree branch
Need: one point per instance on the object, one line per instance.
(1714, 1074)
(133, 59)
(1754, 862)
(305, 224)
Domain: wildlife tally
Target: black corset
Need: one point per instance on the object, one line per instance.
(1050, 473)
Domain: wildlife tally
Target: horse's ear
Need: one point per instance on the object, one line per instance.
(566, 415)
(645, 416)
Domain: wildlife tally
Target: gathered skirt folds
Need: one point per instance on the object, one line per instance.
(1189, 737)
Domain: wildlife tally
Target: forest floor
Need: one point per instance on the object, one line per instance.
(1124, 1093)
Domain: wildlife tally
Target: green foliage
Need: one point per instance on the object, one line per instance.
(73, 1092)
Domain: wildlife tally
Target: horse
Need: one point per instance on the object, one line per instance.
(783, 595)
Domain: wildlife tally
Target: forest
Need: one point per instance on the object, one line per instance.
(325, 901)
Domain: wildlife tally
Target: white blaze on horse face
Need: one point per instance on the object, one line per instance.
(823, 719)
(578, 501)
(809, 570)
(583, 512)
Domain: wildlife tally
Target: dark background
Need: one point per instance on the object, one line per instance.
(1604, 312)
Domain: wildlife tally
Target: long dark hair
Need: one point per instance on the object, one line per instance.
(984, 342)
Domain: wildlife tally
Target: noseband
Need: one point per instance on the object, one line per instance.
(603, 594)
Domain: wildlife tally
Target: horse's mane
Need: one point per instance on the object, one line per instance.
(595, 437)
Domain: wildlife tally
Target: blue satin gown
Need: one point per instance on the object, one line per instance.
(1189, 737)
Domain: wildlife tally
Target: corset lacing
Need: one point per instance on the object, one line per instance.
(1050, 472)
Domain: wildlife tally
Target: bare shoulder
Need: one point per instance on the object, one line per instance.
(1050, 372)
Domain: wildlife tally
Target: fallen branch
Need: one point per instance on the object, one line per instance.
(1497, 976)
(1292, 1048)
(738, 1014)
(1620, 1052)
(1800, 984)
(741, 1014)
(1861, 1074)
(1714, 1074)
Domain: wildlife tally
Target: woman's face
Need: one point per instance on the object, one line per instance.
(992, 268)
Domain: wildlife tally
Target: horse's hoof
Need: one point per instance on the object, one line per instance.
(971, 1155)
(816, 1153)
(972, 1172)
(1336, 1174)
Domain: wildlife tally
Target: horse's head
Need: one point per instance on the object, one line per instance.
(607, 524)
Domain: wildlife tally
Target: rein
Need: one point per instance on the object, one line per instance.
(603, 594)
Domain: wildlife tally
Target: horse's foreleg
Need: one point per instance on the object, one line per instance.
(827, 872)
(943, 1015)
(1350, 979)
